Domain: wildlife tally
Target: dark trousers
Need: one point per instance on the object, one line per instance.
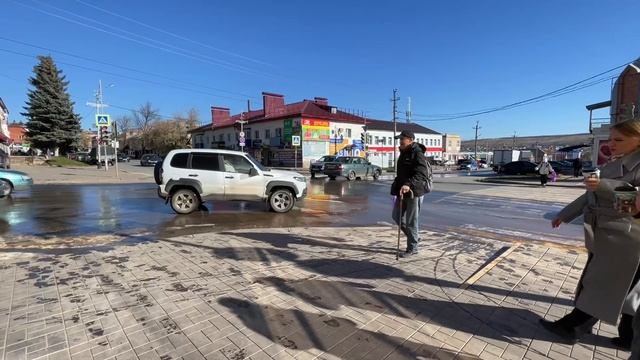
(543, 179)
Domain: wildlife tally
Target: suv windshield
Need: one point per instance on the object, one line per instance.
(257, 163)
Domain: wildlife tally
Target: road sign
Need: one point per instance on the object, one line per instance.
(242, 144)
(295, 140)
(241, 134)
(103, 120)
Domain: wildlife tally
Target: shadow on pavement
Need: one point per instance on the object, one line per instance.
(296, 329)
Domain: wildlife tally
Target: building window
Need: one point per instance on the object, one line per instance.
(391, 142)
(267, 134)
(278, 132)
(349, 133)
(229, 137)
(449, 143)
(377, 140)
(257, 133)
(220, 137)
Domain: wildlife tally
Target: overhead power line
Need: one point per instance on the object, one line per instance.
(127, 77)
(125, 67)
(561, 91)
(177, 36)
(165, 47)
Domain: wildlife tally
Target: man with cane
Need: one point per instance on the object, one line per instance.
(413, 180)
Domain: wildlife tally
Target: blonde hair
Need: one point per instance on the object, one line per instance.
(629, 128)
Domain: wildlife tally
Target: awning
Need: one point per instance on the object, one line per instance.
(4, 138)
(573, 147)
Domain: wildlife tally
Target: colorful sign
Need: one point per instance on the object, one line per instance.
(315, 129)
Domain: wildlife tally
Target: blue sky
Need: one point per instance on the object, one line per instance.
(448, 56)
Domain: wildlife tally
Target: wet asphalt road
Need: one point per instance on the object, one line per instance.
(66, 211)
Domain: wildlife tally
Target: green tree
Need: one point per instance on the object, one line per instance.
(52, 124)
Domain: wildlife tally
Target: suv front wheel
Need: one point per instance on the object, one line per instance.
(281, 200)
(184, 201)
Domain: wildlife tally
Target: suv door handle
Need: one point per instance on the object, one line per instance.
(228, 177)
(193, 175)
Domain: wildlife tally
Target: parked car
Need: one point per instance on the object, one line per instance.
(469, 164)
(318, 165)
(11, 180)
(562, 167)
(123, 157)
(150, 159)
(518, 168)
(351, 167)
(187, 177)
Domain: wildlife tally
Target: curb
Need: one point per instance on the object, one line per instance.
(528, 183)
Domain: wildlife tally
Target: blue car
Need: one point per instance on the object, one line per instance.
(11, 180)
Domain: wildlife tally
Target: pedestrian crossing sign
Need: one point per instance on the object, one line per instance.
(103, 120)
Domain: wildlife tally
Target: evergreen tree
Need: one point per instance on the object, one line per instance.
(51, 124)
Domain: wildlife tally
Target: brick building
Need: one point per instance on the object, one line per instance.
(323, 129)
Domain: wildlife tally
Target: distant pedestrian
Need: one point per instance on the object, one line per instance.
(609, 285)
(544, 169)
(412, 180)
(577, 167)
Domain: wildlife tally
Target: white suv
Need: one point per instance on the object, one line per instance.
(187, 177)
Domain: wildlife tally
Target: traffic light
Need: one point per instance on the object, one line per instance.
(105, 135)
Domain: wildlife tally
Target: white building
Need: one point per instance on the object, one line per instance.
(5, 136)
(322, 128)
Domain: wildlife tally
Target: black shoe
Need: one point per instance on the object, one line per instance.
(569, 335)
(408, 253)
(622, 343)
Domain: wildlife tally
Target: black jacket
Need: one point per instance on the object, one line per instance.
(412, 170)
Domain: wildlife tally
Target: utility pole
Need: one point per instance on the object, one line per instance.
(395, 127)
(514, 141)
(475, 143)
(116, 146)
(241, 137)
(408, 113)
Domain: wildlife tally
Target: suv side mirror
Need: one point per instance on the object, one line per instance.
(253, 172)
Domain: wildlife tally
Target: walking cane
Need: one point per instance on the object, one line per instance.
(399, 226)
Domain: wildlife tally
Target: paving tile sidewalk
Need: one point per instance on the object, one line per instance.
(42, 174)
(298, 293)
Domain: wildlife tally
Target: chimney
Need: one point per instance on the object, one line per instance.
(273, 104)
(321, 101)
(219, 115)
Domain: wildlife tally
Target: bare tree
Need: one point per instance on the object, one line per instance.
(174, 133)
(124, 124)
(188, 122)
(144, 117)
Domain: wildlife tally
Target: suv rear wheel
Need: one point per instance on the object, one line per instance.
(157, 172)
(281, 200)
(184, 201)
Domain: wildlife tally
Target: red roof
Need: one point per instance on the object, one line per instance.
(312, 109)
(305, 108)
